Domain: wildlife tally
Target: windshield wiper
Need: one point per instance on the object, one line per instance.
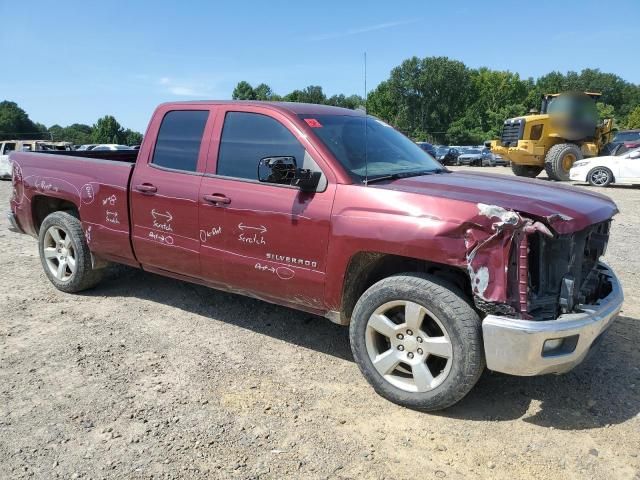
(398, 175)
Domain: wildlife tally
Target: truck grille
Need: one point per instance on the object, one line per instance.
(563, 271)
(512, 131)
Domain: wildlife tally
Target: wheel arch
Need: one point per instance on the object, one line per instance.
(365, 268)
(44, 205)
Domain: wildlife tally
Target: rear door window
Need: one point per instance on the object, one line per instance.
(179, 139)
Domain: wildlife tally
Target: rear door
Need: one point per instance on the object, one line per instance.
(272, 238)
(165, 187)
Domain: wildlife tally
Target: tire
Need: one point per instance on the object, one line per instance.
(416, 378)
(61, 239)
(529, 171)
(600, 177)
(559, 160)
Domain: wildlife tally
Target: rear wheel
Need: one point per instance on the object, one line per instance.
(559, 160)
(525, 170)
(417, 341)
(65, 255)
(600, 177)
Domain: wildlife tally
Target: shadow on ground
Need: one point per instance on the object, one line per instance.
(604, 390)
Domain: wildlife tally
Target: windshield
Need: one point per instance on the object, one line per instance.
(442, 150)
(472, 150)
(388, 152)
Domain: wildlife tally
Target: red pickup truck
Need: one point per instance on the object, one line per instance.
(333, 212)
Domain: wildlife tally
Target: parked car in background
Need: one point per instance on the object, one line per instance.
(427, 147)
(603, 171)
(447, 155)
(89, 146)
(8, 146)
(475, 157)
(622, 142)
(499, 160)
(111, 146)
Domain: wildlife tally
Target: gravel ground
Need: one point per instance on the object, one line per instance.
(147, 377)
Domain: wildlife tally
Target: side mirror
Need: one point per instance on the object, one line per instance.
(284, 171)
(634, 155)
(281, 170)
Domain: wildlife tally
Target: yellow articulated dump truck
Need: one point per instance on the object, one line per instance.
(565, 130)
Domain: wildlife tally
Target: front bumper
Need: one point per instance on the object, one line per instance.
(517, 346)
(579, 174)
(525, 153)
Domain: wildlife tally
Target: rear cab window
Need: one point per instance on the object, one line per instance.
(179, 139)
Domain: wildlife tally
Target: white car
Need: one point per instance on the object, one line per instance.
(6, 147)
(602, 171)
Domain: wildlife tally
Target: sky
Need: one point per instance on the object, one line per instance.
(75, 61)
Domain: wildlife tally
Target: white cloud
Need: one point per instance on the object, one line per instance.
(182, 89)
(359, 30)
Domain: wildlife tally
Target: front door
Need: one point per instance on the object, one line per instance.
(630, 166)
(272, 238)
(165, 189)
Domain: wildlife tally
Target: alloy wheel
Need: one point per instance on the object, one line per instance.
(409, 346)
(59, 253)
(599, 177)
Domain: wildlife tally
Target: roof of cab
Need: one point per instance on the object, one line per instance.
(291, 107)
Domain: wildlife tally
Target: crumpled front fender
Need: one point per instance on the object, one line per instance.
(489, 238)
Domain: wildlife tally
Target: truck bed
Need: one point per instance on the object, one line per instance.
(96, 183)
(114, 155)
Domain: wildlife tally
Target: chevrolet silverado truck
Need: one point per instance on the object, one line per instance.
(438, 274)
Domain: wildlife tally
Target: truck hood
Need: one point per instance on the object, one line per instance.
(564, 208)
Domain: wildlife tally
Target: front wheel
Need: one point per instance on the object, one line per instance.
(417, 341)
(559, 160)
(600, 177)
(65, 255)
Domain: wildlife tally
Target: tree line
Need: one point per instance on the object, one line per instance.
(442, 100)
(15, 124)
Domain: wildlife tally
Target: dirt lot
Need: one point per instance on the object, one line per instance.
(150, 377)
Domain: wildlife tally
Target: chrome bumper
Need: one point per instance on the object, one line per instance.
(517, 347)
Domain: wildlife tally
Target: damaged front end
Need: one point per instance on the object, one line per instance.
(547, 297)
(519, 268)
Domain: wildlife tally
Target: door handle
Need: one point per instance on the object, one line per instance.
(146, 188)
(217, 198)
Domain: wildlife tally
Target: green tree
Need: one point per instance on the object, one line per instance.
(310, 94)
(131, 137)
(633, 120)
(107, 130)
(15, 123)
(352, 101)
(605, 111)
(424, 96)
(263, 92)
(78, 133)
(243, 91)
